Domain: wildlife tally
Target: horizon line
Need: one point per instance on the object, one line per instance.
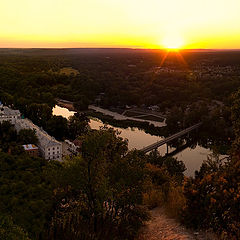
(129, 48)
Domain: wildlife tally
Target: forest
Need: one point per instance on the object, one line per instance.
(106, 191)
(124, 76)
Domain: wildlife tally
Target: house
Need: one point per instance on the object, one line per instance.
(72, 147)
(8, 114)
(31, 149)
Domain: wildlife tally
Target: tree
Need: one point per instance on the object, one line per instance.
(100, 192)
(77, 125)
(27, 136)
(8, 135)
(175, 169)
(81, 104)
(11, 231)
(26, 195)
(57, 126)
(39, 113)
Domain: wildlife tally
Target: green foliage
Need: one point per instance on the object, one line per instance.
(100, 193)
(77, 125)
(81, 104)
(165, 183)
(11, 231)
(213, 198)
(172, 167)
(27, 136)
(57, 126)
(25, 194)
(39, 113)
(7, 133)
(12, 142)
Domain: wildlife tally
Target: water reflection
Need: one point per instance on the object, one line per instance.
(136, 138)
(192, 157)
(61, 111)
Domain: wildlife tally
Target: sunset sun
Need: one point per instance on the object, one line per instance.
(172, 41)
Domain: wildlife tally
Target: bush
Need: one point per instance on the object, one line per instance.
(213, 197)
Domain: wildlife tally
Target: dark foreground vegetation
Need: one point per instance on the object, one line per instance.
(105, 192)
(96, 195)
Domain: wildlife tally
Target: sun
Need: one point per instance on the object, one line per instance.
(172, 42)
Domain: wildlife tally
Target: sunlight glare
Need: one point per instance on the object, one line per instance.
(172, 41)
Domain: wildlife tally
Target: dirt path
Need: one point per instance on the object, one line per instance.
(161, 227)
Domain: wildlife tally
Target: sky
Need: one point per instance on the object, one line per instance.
(120, 23)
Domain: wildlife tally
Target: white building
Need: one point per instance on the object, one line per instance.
(8, 114)
(48, 146)
(72, 147)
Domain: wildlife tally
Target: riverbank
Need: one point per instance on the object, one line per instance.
(65, 104)
(114, 115)
(141, 125)
(118, 120)
(121, 117)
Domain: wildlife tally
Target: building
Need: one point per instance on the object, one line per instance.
(8, 114)
(49, 147)
(31, 149)
(71, 147)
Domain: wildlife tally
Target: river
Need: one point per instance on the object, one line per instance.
(138, 139)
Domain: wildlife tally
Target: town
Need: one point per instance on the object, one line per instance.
(48, 147)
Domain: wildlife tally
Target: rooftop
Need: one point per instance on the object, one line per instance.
(8, 111)
(43, 137)
(30, 147)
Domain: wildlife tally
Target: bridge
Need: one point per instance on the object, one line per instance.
(170, 138)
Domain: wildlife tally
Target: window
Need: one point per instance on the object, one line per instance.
(53, 148)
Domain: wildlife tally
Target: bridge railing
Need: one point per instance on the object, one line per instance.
(170, 138)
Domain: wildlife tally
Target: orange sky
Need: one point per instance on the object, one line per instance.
(120, 23)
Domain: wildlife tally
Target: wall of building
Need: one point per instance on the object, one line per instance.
(53, 152)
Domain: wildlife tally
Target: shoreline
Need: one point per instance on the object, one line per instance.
(114, 115)
(121, 117)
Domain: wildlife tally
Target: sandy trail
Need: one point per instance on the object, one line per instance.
(162, 227)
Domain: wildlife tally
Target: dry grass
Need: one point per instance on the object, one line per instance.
(175, 201)
(153, 198)
(68, 71)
